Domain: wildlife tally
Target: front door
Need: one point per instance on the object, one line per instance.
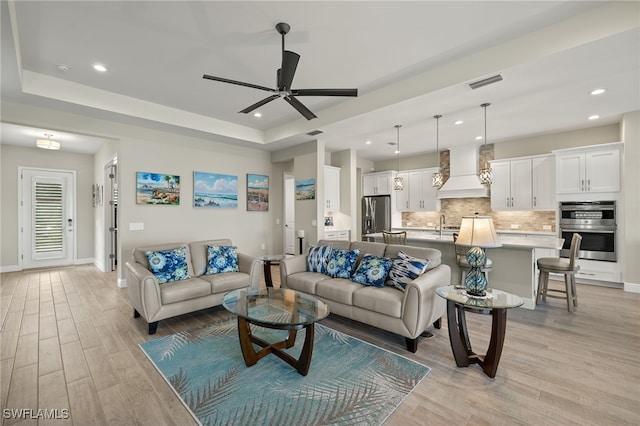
(47, 217)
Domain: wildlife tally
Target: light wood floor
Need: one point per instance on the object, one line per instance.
(69, 341)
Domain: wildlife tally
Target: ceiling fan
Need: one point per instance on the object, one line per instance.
(284, 79)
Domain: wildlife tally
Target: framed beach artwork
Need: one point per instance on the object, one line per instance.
(257, 193)
(306, 189)
(215, 190)
(157, 188)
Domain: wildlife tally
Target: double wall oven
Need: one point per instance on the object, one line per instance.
(595, 221)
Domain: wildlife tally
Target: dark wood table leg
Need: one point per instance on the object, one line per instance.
(267, 273)
(461, 346)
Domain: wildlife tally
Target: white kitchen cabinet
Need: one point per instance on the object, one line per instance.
(422, 194)
(338, 235)
(377, 183)
(594, 169)
(512, 185)
(543, 172)
(402, 196)
(331, 188)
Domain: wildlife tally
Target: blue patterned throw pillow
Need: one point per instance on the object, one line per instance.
(318, 258)
(373, 270)
(342, 263)
(169, 265)
(405, 268)
(222, 259)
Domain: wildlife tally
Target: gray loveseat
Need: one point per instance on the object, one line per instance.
(407, 313)
(154, 301)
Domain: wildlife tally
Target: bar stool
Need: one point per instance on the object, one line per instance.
(461, 261)
(399, 237)
(567, 267)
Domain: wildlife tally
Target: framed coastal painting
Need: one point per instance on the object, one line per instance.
(306, 189)
(257, 193)
(157, 188)
(215, 190)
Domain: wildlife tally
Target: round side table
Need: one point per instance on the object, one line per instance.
(267, 261)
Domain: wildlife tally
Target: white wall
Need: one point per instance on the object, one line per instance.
(631, 137)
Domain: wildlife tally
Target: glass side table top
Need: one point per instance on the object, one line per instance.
(272, 258)
(498, 300)
(275, 307)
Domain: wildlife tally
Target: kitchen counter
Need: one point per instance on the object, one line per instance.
(514, 264)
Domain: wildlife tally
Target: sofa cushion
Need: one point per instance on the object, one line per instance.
(200, 256)
(337, 289)
(305, 281)
(386, 301)
(432, 255)
(222, 259)
(342, 263)
(168, 265)
(140, 254)
(372, 270)
(318, 258)
(405, 269)
(179, 291)
(222, 283)
(366, 247)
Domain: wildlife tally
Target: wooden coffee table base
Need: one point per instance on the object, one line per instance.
(251, 357)
(459, 337)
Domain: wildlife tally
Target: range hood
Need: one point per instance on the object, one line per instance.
(464, 181)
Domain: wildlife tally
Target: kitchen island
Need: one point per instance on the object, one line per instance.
(514, 264)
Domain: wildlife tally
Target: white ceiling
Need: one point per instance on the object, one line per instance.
(409, 60)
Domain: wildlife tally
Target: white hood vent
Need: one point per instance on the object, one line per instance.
(464, 181)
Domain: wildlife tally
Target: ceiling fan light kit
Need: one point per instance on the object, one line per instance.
(48, 143)
(284, 79)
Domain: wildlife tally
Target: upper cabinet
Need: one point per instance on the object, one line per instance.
(402, 196)
(331, 188)
(525, 183)
(418, 193)
(590, 169)
(376, 183)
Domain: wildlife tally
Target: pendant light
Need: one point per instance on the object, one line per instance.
(486, 174)
(437, 179)
(398, 181)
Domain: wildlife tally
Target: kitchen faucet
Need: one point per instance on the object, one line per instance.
(442, 222)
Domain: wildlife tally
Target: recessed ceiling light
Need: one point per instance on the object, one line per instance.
(99, 67)
(594, 117)
(257, 114)
(368, 142)
(458, 122)
(478, 138)
(598, 91)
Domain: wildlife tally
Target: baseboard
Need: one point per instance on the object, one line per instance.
(122, 283)
(529, 304)
(10, 268)
(99, 265)
(632, 287)
(85, 261)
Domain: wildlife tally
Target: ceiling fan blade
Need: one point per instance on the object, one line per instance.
(289, 65)
(239, 83)
(258, 104)
(325, 92)
(300, 107)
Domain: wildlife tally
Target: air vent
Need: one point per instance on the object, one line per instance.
(485, 81)
(315, 132)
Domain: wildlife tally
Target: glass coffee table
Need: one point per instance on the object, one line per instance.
(496, 304)
(276, 308)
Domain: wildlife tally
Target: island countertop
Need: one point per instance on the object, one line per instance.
(509, 241)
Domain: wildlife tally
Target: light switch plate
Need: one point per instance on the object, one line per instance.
(546, 227)
(515, 226)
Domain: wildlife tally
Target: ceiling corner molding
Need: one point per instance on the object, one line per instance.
(11, 4)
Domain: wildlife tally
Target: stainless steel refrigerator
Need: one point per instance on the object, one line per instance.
(376, 214)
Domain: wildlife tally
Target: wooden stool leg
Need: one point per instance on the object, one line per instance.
(567, 286)
(543, 281)
(573, 288)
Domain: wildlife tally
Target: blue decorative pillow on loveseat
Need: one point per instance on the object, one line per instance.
(169, 265)
(222, 259)
(342, 263)
(373, 270)
(318, 258)
(405, 268)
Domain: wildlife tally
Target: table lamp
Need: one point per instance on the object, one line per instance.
(478, 233)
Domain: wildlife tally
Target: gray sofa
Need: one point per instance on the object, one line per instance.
(407, 313)
(154, 301)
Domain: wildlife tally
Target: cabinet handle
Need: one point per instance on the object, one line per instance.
(588, 184)
(508, 202)
(582, 185)
(511, 201)
(535, 202)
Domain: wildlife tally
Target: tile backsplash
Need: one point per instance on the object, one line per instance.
(453, 209)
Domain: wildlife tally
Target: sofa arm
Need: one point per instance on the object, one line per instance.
(250, 265)
(144, 290)
(421, 305)
(291, 265)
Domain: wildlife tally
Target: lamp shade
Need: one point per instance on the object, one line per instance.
(478, 231)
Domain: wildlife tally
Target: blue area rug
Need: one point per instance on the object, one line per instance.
(350, 382)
